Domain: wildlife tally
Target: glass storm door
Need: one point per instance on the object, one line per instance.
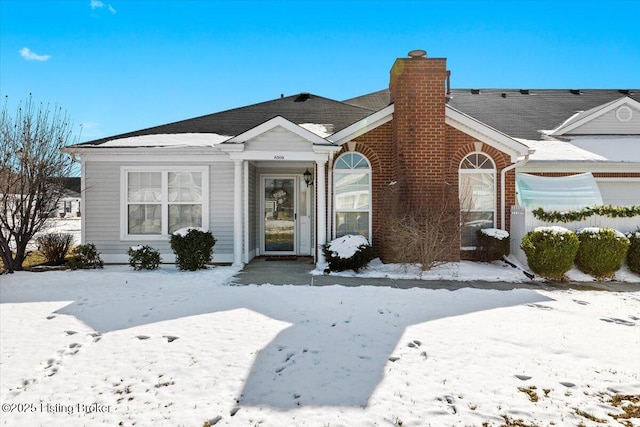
(279, 214)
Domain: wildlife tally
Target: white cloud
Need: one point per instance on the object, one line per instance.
(27, 54)
(98, 4)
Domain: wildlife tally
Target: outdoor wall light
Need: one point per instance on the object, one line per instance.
(308, 178)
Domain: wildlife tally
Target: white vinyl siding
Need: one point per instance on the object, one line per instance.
(277, 140)
(102, 215)
(608, 124)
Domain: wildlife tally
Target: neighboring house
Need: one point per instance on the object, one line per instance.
(69, 205)
(241, 173)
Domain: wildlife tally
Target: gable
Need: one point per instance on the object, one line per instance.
(278, 139)
(619, 117)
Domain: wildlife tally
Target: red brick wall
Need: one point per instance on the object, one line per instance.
(377, 148)
(419, 150)
(417, 88)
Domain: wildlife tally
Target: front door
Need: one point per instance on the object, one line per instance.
(279, 224)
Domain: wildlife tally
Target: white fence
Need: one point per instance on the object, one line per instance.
(523, 221)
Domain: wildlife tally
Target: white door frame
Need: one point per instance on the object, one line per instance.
(296, 180)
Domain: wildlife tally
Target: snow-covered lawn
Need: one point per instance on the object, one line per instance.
(118, 347)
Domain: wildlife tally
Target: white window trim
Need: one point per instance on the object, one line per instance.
(493, 171)
(164, 170)
(359, 171)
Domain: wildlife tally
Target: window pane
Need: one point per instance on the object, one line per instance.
(352, 191)
(351, 161)
(477, 191)
(144, 219)
(471, 223)
(352, 223)
(476, 161)
(185, 186)
(181, 216)
(144, 186)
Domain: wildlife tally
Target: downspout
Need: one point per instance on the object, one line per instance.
(503, 174)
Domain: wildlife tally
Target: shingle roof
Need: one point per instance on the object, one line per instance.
(517, 113)
(299, 109)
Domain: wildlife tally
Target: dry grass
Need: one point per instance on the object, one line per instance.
(531, 392)
(589, 416)
(631, 410)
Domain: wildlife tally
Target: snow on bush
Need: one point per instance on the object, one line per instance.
(184, 231)
(350, 252)
(193, 247)
(550, 251)
(601, 251)
(496, 233)
(493, 244)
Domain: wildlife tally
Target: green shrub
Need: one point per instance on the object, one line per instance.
(492, 244)
(350, 252)
(601, 251)
(550, 251)
(633, 254)
(143, 257)
(85, 257)
(54, 246)
(193, 248)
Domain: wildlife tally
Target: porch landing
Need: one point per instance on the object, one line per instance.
(296, 271)
(276, 271)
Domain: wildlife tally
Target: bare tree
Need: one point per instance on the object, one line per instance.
(31, 167)
(421, 230)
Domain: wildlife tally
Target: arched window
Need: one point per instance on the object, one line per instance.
(477, 193)
(352, 195)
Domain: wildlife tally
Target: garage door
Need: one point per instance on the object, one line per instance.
(620, 193)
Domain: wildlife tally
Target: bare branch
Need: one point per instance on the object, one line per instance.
(31, 168)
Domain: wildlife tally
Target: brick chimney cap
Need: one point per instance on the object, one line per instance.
(418, 53)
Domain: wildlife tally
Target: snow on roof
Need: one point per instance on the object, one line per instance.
(319, 129)
(169, 140)
(559, 151)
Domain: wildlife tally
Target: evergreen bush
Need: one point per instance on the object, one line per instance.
(550, 251)
(54, 246)
(143, 257)
(85, 257)
(350, 252)
(601, 251)
(633, 254)
(193, 248)
(492, 244)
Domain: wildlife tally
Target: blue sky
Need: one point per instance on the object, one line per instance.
(123, 65)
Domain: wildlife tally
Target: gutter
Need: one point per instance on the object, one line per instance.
(503, 173)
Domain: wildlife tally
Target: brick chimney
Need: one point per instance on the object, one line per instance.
(417, 87)
(421, 157)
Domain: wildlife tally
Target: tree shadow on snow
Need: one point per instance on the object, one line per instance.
(334, 353)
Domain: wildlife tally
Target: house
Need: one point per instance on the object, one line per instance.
(287, 175)
(69, 205)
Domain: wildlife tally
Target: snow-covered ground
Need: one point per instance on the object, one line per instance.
(170, 348)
